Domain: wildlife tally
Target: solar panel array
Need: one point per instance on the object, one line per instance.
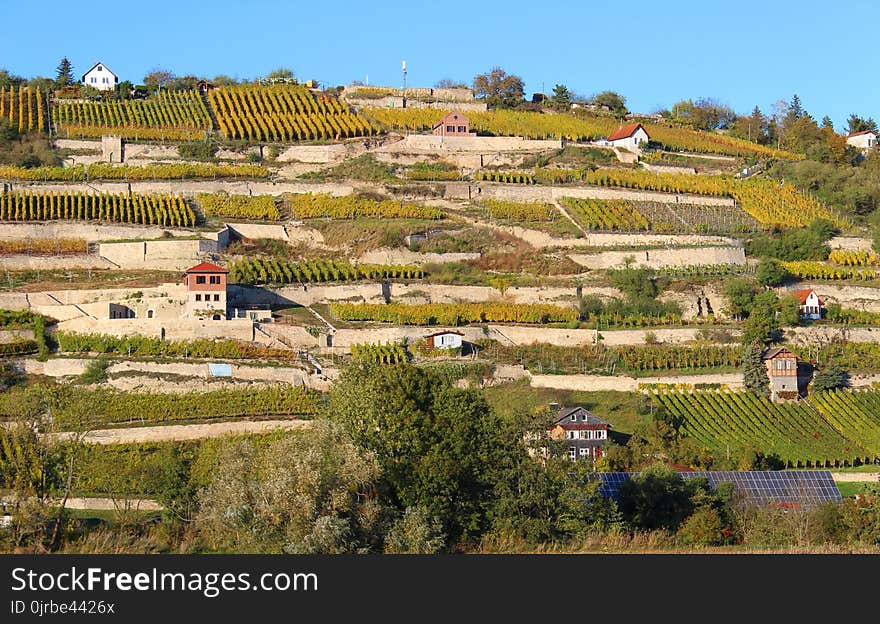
(807, 488)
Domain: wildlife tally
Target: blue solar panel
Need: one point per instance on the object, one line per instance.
(807, 488)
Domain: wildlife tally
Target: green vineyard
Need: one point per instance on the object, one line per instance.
(453, 313)
(283, 113)
(172, 115)
(600, 214)
(24, 108)
(390, 353)
(162, 210)
(80, 408)
(533, 125)
(310, 206)
(240, 206)
(855, 414)
(280, 272)
(103, 171)
(736, 423)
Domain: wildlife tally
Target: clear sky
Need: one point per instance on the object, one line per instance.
(742, 52)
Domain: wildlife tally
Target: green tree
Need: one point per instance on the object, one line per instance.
(438, 446)
(656, 498)
(499, 89)
(612, 101)
(313, 492)
(755, 378)
(789, 311)
(858, 124)
(158, 79)
(771, 273)
(64, 74)
(763, 323)
(416, 532)
(740, 293)
(561, 98)
(829, 378)
(9, 80)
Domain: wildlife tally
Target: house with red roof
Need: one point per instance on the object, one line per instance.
(206, 291)
(630, 137)
(864, 140)
(811, 305)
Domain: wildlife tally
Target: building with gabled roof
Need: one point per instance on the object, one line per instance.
(782, 369)
(453, 124)
(580, 433)
(629, 137)
(810, 304)
(864, 140)
(100, 77)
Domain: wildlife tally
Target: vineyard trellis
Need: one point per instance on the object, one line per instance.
(165, 209)
(240, 206)
(24, 108)
(102, 171)
(280, 272)
(284, 112)
(309, 206)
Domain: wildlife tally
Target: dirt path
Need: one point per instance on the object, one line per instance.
(856, 477)
(186, 432)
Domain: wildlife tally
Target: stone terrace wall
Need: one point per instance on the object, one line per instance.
(658, 258)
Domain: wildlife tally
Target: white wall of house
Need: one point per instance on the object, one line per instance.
(447, 341)
(811, 308)
(632, 143)
(863, 141)
(100, 78)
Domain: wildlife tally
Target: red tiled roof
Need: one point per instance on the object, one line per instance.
(454, 116)
(207, 267)
(444, 333)
(803, 294)
(625, 132)
(852, 134)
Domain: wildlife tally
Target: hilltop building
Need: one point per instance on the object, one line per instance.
(864, 140)
(453, 124)
(629, 137)
(206, 291)
(782, 366)
(100, 77)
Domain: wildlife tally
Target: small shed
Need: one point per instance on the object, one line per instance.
(445, 340)
(453, 124)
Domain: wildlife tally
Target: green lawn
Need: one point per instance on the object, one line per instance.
(848, 489)
(624, 410)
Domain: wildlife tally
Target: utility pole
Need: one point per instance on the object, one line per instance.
(403, 68)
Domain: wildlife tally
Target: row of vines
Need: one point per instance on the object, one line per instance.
(162, 210)
(280, 272)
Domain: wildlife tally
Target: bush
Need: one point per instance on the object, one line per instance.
(198, 150)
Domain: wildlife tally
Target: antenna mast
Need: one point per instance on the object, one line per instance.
(403, 68)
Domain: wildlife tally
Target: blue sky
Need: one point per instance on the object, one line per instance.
(655, 53)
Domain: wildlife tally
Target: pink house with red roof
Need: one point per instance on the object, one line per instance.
(206, 291)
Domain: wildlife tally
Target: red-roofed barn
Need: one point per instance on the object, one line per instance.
(206, 291)
(629, 137)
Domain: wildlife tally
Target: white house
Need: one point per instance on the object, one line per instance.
(100, 77)
(629, 137)
(445, 340)
(864, 140)
(810, 304)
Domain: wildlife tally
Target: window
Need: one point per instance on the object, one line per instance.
(200, 279)
(584, 452)
(100, 68)
(462, 129)
(216, 297)
(94, 80)
(450, 128)
(198, 297)
(571, 435)
(572, 453)
(105, 80)
(215, 279)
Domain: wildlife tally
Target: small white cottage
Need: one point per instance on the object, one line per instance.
(630, 137)
(864, 140)
(100, 77)
(445, 340)
(810, 304)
